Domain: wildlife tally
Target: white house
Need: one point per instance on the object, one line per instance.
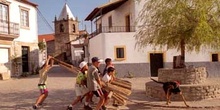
(18, 37)
(113, 37)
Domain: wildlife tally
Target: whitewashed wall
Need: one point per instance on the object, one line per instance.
(118, 15)
(96, 47)
(132, 7)
(103, 45)
(203, 56)
(26, 35)
(76, 52)
(127, 40)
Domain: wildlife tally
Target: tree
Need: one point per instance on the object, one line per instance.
(42, 46)
(185, 25)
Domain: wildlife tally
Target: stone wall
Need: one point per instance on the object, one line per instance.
(191, 92)
(33, 58)
(51, 47)
(194, 84)
(183, 75)
(211, 67)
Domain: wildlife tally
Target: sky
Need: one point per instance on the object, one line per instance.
(51, 8)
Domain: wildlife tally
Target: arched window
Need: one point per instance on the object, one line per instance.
(74, 28)
(61, 28)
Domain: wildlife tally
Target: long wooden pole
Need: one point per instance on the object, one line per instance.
(127, 86)
(66, 65)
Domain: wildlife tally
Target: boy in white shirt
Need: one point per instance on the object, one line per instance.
(107, 78)
(108, 63)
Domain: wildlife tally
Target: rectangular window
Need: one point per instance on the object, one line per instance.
(24, 18)
(4, 18)
(3, 13)
(214, 57)
(110, 21)
(120, 53)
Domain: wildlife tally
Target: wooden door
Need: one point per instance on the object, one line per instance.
(156, 62)
(25, 59)
(127, 23)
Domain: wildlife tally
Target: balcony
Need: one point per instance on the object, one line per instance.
(113, 29)
(8, 29)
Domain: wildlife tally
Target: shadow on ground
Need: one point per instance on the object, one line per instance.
(57, 100)
(55, 71)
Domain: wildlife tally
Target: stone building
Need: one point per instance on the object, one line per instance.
(66, 30)
(67, 43)
(18, 37)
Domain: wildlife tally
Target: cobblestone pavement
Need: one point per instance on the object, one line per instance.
(21, 93)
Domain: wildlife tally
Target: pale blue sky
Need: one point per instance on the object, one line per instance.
(52, 8)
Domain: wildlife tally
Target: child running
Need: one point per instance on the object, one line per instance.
(80, 86)
(94, 82)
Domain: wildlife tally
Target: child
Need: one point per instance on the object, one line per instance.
(80, 86)
(107, 78)
(42, 85)
(94, 82)
(108, 63)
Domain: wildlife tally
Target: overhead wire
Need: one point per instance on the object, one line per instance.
(45, 20)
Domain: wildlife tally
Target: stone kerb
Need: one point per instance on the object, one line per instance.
(184, 75)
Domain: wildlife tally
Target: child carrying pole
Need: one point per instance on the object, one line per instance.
(42, 85)
(80, 86)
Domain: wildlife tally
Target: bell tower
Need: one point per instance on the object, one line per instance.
(66, 30)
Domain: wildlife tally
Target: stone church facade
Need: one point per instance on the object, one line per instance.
(68, 40)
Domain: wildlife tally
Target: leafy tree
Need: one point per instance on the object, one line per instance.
(42, 46)
(185, 25)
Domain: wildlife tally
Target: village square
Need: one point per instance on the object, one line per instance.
(135, 54)
(21, 93)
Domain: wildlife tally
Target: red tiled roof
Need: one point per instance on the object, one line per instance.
(47, 37)
(50, 37)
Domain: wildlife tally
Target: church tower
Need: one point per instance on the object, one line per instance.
(66, 30)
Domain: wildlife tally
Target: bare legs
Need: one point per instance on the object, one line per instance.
(78, 98)
(100, 103)
(41, 99)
